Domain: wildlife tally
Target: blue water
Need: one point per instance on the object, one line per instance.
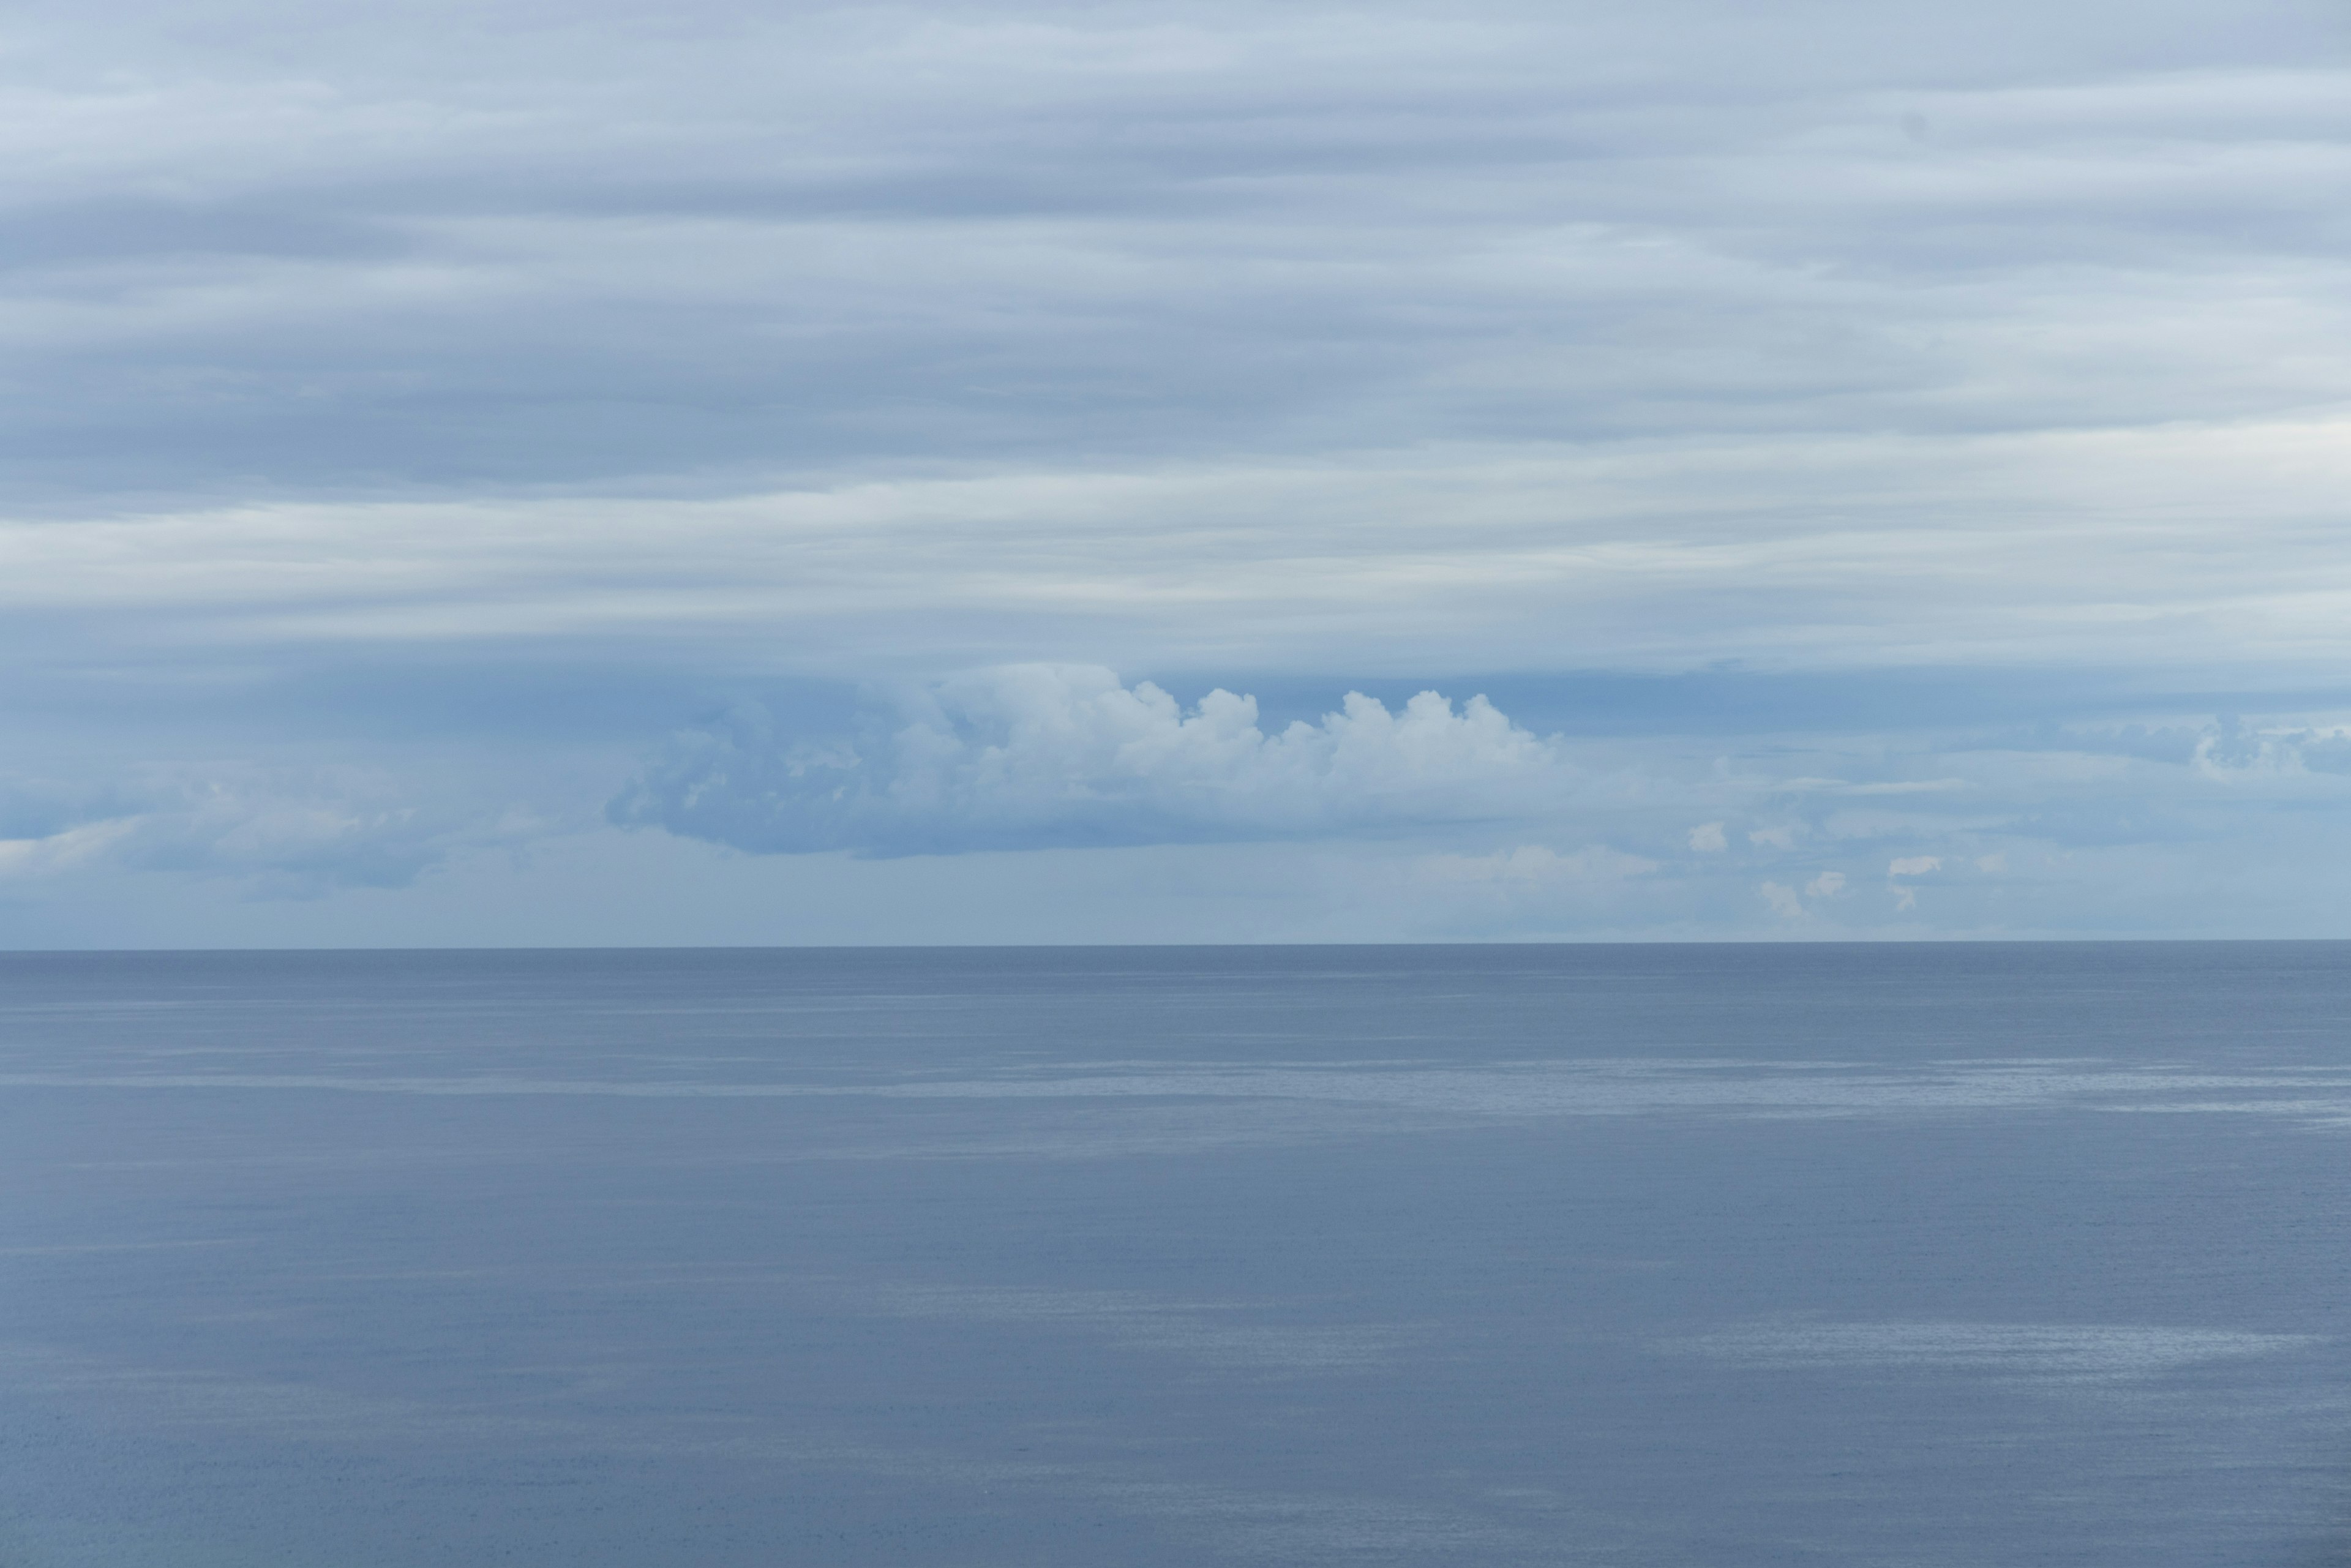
(1689, 1256)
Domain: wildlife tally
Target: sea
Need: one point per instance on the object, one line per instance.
(1935, 1256)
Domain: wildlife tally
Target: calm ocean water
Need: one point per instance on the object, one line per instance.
(1717, 1257)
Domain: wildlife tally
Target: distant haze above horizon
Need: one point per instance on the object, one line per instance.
(529, 475)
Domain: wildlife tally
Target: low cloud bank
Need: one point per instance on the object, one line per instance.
(1039, 755)
(272, 833)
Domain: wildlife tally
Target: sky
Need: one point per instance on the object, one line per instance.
(520, 474)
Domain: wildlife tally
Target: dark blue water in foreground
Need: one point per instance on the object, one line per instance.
(1693, 1256)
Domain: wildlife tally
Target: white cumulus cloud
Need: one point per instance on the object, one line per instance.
(1033, 755)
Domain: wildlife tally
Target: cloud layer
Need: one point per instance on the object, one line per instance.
(286, 257)
(904, 340)
(1158, 820)
(414, 412)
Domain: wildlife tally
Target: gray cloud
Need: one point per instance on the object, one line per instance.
(323, 256)
(893, 342)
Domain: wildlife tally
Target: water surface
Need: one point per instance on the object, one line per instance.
(1709, 1256)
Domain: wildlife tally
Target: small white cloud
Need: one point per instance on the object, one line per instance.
(55, 852)
(1782, 900)
(1905, 898)
(1779, 838)
(1994, 862)
(1828, 885)
(1708, 837)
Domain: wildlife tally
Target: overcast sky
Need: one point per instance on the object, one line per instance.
(522, 473)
